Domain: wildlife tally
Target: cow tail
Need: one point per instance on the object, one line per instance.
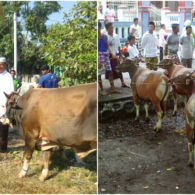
(165, 97)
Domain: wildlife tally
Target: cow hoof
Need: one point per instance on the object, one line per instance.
(42, 178)
(157, 129)
(136, 119)
(22, 174)
(44, 175)
(174, 114)
(147, 120)
(190, 163)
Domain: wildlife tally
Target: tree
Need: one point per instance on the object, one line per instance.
(34, 18)
(72, 46)
(37, 16)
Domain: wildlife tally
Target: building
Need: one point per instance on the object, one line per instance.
(166, 12)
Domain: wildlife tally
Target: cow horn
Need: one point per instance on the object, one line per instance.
(6, 95)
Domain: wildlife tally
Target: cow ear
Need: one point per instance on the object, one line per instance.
(6, 95)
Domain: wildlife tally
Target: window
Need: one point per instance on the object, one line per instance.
(116, 30)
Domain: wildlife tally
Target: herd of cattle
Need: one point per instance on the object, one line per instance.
(68, 116)
(55, 117)
(154, 86)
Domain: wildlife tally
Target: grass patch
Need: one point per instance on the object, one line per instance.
(64, 176)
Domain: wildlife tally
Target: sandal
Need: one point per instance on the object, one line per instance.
(125, 86)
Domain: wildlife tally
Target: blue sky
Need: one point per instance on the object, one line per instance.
(58, 16)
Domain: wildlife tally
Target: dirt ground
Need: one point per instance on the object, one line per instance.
(135, 159)
(66, 176)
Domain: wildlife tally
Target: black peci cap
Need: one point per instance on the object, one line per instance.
(45, 67)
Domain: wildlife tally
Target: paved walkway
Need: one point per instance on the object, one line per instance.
(125, 92)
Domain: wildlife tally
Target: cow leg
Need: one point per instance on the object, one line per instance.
(190, 161)
(24, 170)
(135, 99)
(160, 115)
(46, 158)
(137, 112)
(189, 133)
(175, 103)
(29, 148)
(159, 122)
(146, 110)
(62, 155)
(184, 100)
(194, 155)
(79, 160)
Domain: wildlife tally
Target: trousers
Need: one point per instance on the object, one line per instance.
(3, 137)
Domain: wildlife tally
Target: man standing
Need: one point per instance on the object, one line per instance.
(47, 80)
(110, 13)
(135, 30)
(150, 44)
(187, 43)
(115, 46)
(17, 83)
(6, 85)
(104, 52)
(172, 45)
(100, 13)
(162, 39)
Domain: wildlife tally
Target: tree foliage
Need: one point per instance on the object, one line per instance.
(72, 46)
(29, 56)
(36, 17)
(69, 48)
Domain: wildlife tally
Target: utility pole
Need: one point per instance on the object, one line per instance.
(15, 43)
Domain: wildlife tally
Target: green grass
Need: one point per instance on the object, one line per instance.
(64, 175)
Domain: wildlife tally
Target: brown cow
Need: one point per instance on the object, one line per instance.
(56, 117)
(178, 71)
(148, 85)
(190, 128)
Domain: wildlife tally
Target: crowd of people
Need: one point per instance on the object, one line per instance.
(8, 84)
(148, 48)
(108, 14)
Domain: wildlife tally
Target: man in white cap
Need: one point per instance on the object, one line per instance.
(6, 85)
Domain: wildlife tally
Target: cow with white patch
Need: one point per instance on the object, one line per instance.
(182, 78)
(148, 85)
(190, 127)
(56, 117)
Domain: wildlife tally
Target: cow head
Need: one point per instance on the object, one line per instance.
(166, 63)
(11, 106)
(127, 65)
(185, 81)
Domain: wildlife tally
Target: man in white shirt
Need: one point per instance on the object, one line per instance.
(100, 13)
(187, 45)
(7, 86)
(132, 49)
(135, 30)
(149, 44)
(115, 46)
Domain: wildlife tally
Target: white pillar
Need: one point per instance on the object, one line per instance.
(120, 32)
(15, 43)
